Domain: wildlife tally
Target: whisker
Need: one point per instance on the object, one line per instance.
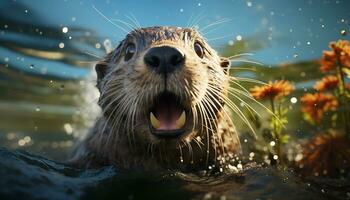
(247, 61)
(92, 54)
(197, 19)
(242, 68)
(134, 21)
(218, 22)
(244, 79)
(240, 55)
(110, 21)
(137, 21)
(125, 23)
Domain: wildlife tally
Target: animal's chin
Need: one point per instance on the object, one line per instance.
(168, 117)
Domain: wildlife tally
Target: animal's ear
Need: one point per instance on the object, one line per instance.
(101, 70)
(102, 67)
(225, 64)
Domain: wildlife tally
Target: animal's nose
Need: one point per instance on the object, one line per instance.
(164, 59)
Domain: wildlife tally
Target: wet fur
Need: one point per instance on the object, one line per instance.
(121, 135)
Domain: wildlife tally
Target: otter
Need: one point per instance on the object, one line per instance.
(163, 92)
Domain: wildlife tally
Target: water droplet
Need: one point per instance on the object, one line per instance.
(6, 26)
(272, 143)
(70, 37)
(245, 140)
(293, 100)
(249, 3)
(199, 4)
(11, 136)
(27, 139)
(21, 142)
(343, 32)
(68, 128)
(61, 45)
(107, 44)
(31, 66)
(239, 166)
(97, 45)
(323, 191)
(251, 154)
(295, 55)
(26, 11)
(37, 109)
(65, 29)
(181, 10)
(207, 196)
(238, 37)
(275, 157)
(308, 43)
(6, 59)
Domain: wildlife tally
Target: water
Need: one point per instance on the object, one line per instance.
(48, 99)
(34, 177)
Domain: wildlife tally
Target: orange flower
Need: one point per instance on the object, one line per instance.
(327, 83)
(325, 154)
(328, 61)
(315, 105)
(342, 48)
(340, 53)
(272, 90)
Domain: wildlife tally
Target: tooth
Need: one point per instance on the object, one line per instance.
(181, 121)
(154, 121)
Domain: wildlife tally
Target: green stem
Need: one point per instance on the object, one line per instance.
(275, 135)
(274, 114)
(342, 96)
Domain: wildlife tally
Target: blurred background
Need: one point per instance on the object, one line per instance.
(48, 48)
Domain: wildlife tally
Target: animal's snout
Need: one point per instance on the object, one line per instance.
(164, 59)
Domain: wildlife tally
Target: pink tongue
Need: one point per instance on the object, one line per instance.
(167, 115)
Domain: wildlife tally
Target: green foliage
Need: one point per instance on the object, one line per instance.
(278, 123)
(347, 72)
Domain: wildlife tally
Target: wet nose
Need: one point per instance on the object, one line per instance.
(164, 59)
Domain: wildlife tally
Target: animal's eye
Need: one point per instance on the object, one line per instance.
(198, 49)
(129, 51)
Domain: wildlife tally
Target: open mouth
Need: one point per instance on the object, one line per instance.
(167, 116)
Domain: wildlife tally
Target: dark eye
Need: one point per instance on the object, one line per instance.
(198, 49)
(129, 51)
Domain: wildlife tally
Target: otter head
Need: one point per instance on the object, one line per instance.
(162, 85)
